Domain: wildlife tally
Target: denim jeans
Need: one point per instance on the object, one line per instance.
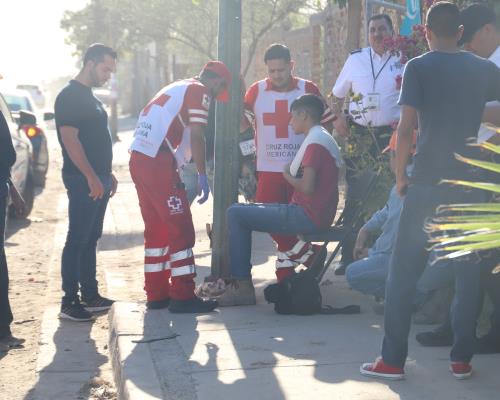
(242, 219)
(5, 311)
(86, 218)
(408, 260)
(369, 276)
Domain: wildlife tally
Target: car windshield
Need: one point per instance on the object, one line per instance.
(17, 103)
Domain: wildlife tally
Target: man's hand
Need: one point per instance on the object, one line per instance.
(17, 201)
(96, 187)
(114, 185)
(360, 250)
(360, 253)
(203, 188)
(402, 185)
(340, 125)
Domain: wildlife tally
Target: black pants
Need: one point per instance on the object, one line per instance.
(5, 311)
(355, 184)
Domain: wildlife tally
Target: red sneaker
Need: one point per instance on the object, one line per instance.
(461, 370)
(379, 369)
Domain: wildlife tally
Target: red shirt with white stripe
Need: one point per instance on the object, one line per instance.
(276, 142)
(320, 206)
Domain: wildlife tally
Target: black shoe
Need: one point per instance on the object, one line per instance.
(435, 339)
(157, 304)
(192, 306)
(341, 267)
(97, 303)
(488, 344)
(75, 312)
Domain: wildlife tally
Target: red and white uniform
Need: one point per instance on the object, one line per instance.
(276, 142)
(161, 143)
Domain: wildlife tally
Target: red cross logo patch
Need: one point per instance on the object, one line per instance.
(175, 205)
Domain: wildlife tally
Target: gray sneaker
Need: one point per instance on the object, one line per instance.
(238, 293)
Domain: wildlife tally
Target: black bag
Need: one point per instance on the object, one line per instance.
(299, 294)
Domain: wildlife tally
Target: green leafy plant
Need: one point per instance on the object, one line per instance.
(462, 229)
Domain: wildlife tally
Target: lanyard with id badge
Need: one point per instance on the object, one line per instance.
(372, 100)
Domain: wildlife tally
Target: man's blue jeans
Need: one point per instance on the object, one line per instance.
(242, 219)
(369, 276)
(408, 261)
(86, 218)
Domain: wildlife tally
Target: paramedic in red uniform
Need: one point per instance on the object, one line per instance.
(268, 102)
(169, 132)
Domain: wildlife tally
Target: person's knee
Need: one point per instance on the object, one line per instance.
(233, 213)
(353, 274)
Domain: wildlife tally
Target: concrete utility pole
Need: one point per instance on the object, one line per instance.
(227, 128)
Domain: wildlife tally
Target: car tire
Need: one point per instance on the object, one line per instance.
(29, 199)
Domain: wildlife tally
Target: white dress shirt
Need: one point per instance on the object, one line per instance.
(358, 75)
(484, 133)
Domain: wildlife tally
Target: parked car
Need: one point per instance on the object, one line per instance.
(19, 100)
(36, 93)
(22, 171)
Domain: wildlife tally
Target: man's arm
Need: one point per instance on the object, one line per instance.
(340, 123)
(375, 223)
(198, 147)
(73, 146)
(407, 124)
(306, 184)
(198, 151)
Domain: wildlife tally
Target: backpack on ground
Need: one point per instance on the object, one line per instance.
(300, 294)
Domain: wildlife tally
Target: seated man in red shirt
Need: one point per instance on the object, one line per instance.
(313, 173)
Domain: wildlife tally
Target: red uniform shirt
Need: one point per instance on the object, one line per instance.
(320, 206)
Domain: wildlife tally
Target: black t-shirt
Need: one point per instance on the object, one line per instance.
(7, 151)
(76, 106)
(449, 91)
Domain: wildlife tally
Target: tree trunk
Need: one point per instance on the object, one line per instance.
(354, 23)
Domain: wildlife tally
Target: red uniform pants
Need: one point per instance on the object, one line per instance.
(168, 227)
(273, 188)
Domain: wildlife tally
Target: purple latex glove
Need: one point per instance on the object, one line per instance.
(203, 188)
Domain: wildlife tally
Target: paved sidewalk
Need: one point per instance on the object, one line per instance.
(251, 352)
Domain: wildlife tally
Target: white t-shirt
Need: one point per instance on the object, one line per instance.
(485, 133)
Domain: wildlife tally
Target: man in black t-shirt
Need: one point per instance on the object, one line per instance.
(446, 90)
(7, 160)
(82, 130)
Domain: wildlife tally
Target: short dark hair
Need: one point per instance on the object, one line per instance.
(311, 104)
(473, 18)
(96, 53)
(385, 17)
(277, 51)
(443, 19)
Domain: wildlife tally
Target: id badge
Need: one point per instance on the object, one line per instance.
(248, 147)
(372, 101)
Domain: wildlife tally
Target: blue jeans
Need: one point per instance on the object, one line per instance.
(5, 311)
(242, 219)
(408, 260)
(86, 218)
(369, 276)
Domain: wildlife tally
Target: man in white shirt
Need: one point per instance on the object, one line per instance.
(375, 74)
